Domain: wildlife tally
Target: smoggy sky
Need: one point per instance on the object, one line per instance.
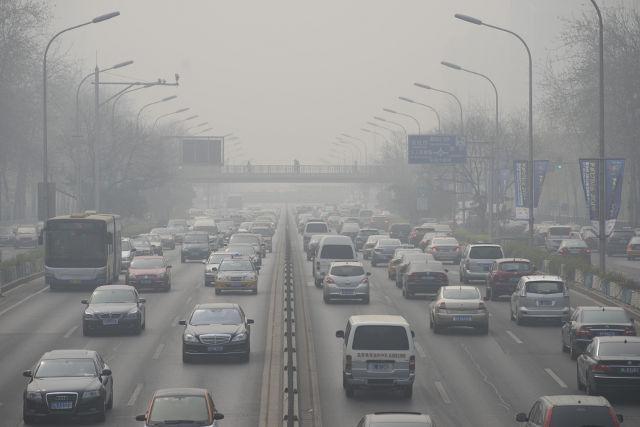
(288, 76)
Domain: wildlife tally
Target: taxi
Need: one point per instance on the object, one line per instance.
(236, 274)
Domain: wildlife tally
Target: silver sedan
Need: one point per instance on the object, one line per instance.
(346, 281)
(459, 306)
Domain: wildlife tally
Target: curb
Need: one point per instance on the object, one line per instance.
(14, 284)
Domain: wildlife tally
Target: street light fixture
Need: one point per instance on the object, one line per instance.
(44, 212)
(389, 110)
(364, 144)
(204, 130)
(427, 87)
(144, 107)
(182, 110)
(405, 99)
(530, 185)
(400, 125)
(376, 133)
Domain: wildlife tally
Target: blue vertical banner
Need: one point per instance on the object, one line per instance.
(613, 175)
(522, 185)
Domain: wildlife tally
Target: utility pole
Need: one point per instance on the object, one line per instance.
(96, 142)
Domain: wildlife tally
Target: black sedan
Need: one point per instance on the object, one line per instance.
(610, 364)
(216, 329)
(114, 307)
(587, 323)
(67, 384)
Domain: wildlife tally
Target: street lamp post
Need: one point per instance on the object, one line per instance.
(400, 125)
(531, 197)
(144, 107)
(405, 99)
(155, 123)
(423, 86)
(357, 151)
(389, 110)
(376, 133)
(497, 133)
(45, 212)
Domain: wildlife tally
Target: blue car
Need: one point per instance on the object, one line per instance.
(383, 251)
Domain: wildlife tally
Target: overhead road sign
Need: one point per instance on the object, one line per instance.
(436, 149)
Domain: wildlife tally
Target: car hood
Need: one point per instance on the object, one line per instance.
(226, 274)
(215, 329)
(124, 307)
(145, 271)
(77, 384)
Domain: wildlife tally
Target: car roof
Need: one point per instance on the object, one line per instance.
(180, 391)
(600, 308)
(340, 263)
(160, 257)
(107, 287)
(501, 260)
(216, 305)
(376, 319)
(69, 354)
(460, 287)
(617, 339)
(484, 244)
(543, 277)
(401, 417)
(335, 238)
(576, 399)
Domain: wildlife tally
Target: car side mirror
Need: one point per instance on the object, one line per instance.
(141, 417)
(106, 372)
(250, 322)
(182, 322)
(522, 417)
(28, 373)
(204, 261)
(84, 301)
(340, 334)
(368, 273)
(218, 416)
(620, 418)
(214, 269)
(142, 300)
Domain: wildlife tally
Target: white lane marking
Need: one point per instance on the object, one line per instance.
(443, 392)
(515, 338)
(156, 355)
(135, 394)
(555, 377)
(420, 350)
(70, 332)
(27, 298)
(117, 346)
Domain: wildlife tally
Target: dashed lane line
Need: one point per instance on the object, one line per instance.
(420, 350)
(443, 392)
(515, 338)
(555, 377)
(70, 332)
(25, 299)
(156, 355)
(135, 394)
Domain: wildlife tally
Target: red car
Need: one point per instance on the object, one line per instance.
(151, 272)
(504, 275)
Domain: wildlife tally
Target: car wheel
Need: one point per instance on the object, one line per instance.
(578, 380)
(186, 358)
(85, 331)
(365, 300)
(565, 349)
(407, 392)
(573, 351)
(436, 328)
(254, 291)
(484, 329)
(167, 287)
(52, 287)
(519, 319)
(28, 419)
(109, 404)
(325, 299)
(348, 390)
(138, 329)
(511, 316)
(217, 291)
(590, 388)
(318, 283)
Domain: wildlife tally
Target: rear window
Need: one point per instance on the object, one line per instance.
(444, 242)
(485, 252)
(545, 287)
(399, 228)
(347, 270)
(559, 231)
(337, 252)
(461, 293)
(316, 228)
(629, 349)
(579, 416)
(380, 337)
(604, 316)
(515, 266)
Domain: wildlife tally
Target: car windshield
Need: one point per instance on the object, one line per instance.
(51, 368)
(485, 252)
(622, 349)
(400, 228)
(347, 270)
(245, 250)
(337, 252)
(444, 242)
(604, 316)
(102, 296)
(190, 410)
(622, 235)
(140, 243)
(125, 245)
(216, 258)
(316, 227)
(26, 230)
(244, 238)
(574, 243)
(559, 231)
(215, 316)
(380, 337)
(265, 232)
(545, 287)
(515, 266)
(581, 416)
(389, 242)
(368, 232)
(236, 265)
(146, 263)
(461, 293)
(196, 238)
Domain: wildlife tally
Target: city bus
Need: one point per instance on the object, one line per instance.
(82, 250)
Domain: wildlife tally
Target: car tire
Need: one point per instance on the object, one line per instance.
(85, 331)
(217, 291)
(102, 416)
(484, 329)
(53, 288)
(28, 419)
(589, 388)
(573, 351)
(325, 299)
(436, 328)
(565, 349)
(348, 389)
(254, 291)
(365, 300)
(578, 380)
(519, 319)
(138, 329)
(407, 392)
(167, 287)
(186, 358)
(318, 283)
(109, 404)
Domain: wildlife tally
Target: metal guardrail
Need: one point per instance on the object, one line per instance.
(17, 273)
(290, 403)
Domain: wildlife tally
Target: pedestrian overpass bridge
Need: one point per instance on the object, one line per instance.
(286, 173)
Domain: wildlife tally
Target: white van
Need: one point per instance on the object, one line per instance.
(332, 248)
(378, 352)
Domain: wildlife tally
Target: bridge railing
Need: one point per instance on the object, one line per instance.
(301, 169)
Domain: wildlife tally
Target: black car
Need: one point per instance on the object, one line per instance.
(114, 307)
(363, 235)
(400, 231)
(617, 242)
(7, 238)
(610, 364)
(216, 329)
(587, 323)
(195, 246)
(67, 384)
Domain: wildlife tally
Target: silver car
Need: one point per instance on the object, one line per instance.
(477, 260)
(445, 249)
(459, 306)
(346, 280)
(540, 297)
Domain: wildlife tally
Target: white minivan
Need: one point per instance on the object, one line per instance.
(378, 353)
(332, 248)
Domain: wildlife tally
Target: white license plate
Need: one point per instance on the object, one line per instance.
(215, 348)
(462, 318)
(109, 321)
(545, 303)
(379, 366)
(75, 281)
(62, 405)
(347, 292)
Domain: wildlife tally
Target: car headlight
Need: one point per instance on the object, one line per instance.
(35, 396)
(133, 314)
(189, 338)
(89, 314)
(90, 394)
(240, 337)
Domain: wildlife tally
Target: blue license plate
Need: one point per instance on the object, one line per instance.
(462, 318)
(215, 348)
(62, 405)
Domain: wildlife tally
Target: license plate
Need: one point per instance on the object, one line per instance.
(347, 292)
(607, 334)
(215, 348)
(630, 371)
(463, 318)
(62, 405)
(379, 366)
(75, 281)
(545, 303)
(109, 321)
(145, 282)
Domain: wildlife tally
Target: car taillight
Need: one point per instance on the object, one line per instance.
(563, 251)
(547, 419)
(614, 418)
(600, 368)
(365, 280)
(630, 331)
(629, 247)
(412, 364)
(434, 249)
(583, 332)
(442, 305)
(458, 248)
(329, 280)
(347, 364)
